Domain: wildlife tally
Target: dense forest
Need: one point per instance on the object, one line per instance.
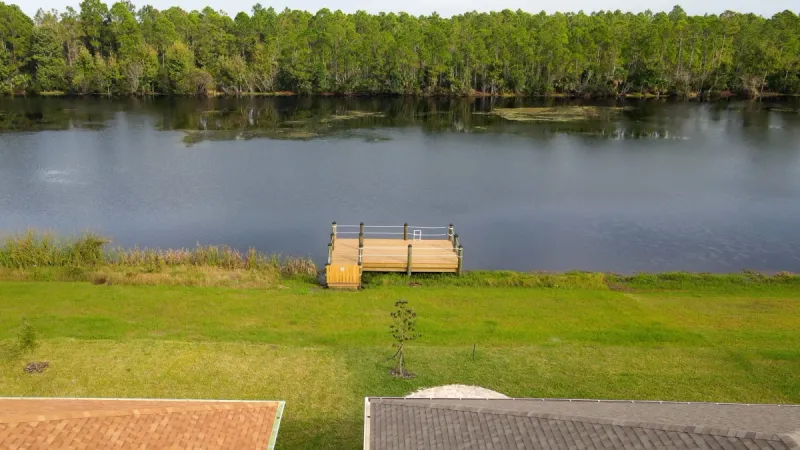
(124, 51)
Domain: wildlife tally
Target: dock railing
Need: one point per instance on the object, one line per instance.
(392, 231)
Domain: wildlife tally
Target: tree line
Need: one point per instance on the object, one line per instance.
(122, 50)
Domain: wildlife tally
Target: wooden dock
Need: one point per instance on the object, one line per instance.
(355, 249)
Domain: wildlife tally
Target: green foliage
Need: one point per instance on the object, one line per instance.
(25, 342)
(27, 338)
(93, 25)
(509, 52)
(47, 58)
(15, 39)
(178, 66)
(402, 329)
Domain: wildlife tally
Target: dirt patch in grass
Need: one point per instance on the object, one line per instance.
(401, 373)
(557, 113)
(36, 367)
(193, 276)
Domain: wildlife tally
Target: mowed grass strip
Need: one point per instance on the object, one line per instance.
(303, 314)
(323, 351)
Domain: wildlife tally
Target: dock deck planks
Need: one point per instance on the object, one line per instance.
(388, 255)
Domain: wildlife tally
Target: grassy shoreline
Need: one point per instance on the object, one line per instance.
(39, 256)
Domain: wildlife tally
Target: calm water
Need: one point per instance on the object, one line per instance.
(659, 186)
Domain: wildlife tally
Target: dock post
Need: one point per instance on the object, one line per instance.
(408, 269)
(450, 233)
(405, 231)
(361, 239)
(360, 254)
(361, 228)
(455, 243)
(327, 273)
(330, 253)
(333, 228)
(333, 238)
(460, 260)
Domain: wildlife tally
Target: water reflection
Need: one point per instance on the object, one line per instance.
(306, 118)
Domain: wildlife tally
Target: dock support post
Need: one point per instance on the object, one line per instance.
(333, 228)
(460, 260)
(327, 274)
(405, 231)
(361, 239)
(408, 269)
(333, 238)
(360, 254)
(450, 233)
(361, 228)
(455, 243)
(330, 253)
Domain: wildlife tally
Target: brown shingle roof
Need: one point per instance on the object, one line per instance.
(33, 423)
(406, 424)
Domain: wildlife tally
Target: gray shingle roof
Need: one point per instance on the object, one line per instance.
(410, 424)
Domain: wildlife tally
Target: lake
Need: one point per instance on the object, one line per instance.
(638, 186)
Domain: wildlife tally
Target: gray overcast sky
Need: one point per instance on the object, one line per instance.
(449, 7)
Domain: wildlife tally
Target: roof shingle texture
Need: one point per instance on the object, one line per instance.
(405, 424)
(128, 424)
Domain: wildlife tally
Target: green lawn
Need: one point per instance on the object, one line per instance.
(323, 351)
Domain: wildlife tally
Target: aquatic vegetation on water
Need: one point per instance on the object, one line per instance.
(363, 135)
(557, 114)
(195, 137)
(349, 115)
(216, 125)
(783, 109)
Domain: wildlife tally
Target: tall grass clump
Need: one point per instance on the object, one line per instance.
(37, 249)
(222, 257)
(43, 256)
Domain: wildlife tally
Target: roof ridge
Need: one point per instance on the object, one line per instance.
(792, 440)
(711, 431)
(87, 413)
